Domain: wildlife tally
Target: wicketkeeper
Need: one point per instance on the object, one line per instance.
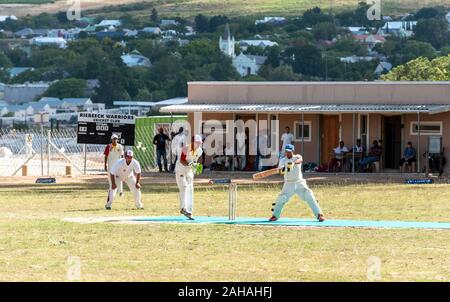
(187, 165)
(291, 167)
(124, 170)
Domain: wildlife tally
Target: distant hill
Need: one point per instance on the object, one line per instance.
(189, 8)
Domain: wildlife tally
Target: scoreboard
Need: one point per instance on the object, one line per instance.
(97, 128)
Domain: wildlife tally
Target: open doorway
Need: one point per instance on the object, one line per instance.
(392, 141)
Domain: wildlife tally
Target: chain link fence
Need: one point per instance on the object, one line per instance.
(44, 152)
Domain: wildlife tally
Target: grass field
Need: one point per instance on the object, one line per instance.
(189, 8)
(35, 243)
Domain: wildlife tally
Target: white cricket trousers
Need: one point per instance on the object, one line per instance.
(131, 182)
(302, 190)
(119, 184)
(185, 183)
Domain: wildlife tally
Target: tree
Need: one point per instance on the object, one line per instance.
(283, 73)
(217, 21)
(434, 31)
(324, 31)
(314, 16)
(67, 88)
(201, 23)
(112, 86)
(430, 12)
(154, 16)
(421, 69)
(306, 59)
(5, 62)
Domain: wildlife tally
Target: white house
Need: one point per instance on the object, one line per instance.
(355, 59)
(152, 30)
(52, 102)
(166, 23)
(44, 41)
(382, 67)
(110, 23)
(135, 58)
(398, 28)
(244, 44)
(271, 20)
(77, 104)
(248, 65)
(36, 107)
(20, 111)
(4, 18)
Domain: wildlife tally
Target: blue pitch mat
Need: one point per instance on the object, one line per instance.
(302, 222)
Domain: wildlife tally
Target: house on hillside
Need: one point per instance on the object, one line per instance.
(135, 58)
(398, 28)
(15, 71)
(244, 44)
(27, 33)
(356, 59)
(370, 41)
(5, 18)
(152, 30)
(48, 41)
(109, 24)
(382, 67)
(77, 104)
(55, 103)
(168, 23)
(271, 20)
(248, 65)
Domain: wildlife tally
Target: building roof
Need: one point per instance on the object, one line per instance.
(304, 108)
(108, 23)
(378, 92)
(76, 101)
(135, 59)
(227, 33)
(4, 18)
(52, 102)
(15, 71)
(257, 43)
(259, 60)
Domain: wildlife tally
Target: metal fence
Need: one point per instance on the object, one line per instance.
(44, 152)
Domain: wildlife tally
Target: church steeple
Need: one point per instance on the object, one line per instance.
(226, 43)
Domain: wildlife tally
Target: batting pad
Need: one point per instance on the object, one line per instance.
(369, 224)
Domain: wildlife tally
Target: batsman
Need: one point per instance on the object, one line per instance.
(291, 167)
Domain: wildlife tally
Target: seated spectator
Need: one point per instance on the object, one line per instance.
(359, 151)
(409, 156)
(373, 156)
(359, 148)
(338, 156)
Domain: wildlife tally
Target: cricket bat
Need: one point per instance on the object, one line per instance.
(265, 174)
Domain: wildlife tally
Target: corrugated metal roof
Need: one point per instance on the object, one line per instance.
(299, 108)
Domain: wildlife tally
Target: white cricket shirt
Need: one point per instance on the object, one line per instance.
(293, 173)
(122, 170)
(113, 153)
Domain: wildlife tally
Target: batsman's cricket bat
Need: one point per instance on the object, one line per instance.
(265, 174)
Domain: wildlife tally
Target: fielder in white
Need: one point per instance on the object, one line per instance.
(113, 153)
(124, 170)
(185, 175)
(294, 184)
